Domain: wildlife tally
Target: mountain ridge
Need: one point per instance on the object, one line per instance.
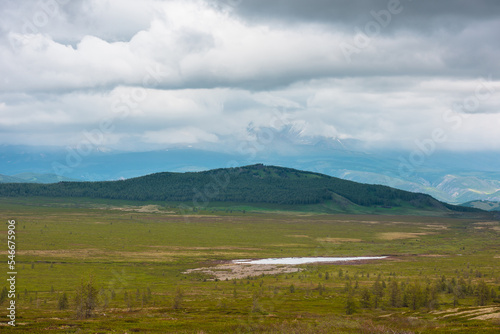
(256, 183)
(450, 177)
(33, 178)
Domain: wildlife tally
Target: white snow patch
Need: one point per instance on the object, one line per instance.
(304, 260)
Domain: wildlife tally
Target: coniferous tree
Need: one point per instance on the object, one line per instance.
(395, 297)
(63, 302)
(86, 299)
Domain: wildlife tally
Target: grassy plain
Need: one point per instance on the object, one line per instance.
(137, 252)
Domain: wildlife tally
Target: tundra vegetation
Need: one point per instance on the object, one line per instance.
(99, 266)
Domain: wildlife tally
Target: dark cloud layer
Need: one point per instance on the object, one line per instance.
(354, 12)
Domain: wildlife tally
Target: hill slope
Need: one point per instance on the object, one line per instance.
(250, 184)
(483, 205)
(33, 178)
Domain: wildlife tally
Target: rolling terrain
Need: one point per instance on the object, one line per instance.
(142, 260)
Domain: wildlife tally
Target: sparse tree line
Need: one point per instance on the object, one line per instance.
(88, 298)
(417, 294)
(382, 293)
(391, 292)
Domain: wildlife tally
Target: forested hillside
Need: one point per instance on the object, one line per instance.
(250, 184)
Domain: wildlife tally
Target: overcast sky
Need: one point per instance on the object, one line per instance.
(144, 75)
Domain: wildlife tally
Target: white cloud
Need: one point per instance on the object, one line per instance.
(206, 75)
(187, 135)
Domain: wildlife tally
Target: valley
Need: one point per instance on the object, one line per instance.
(138, 262)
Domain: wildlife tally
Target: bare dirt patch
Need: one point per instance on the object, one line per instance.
(297, 236)
(401, 235)
(238, 271)
(231, 270)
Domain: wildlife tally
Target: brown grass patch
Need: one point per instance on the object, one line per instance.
(487, 316)
(435, 227)
(481, 313)
(487, 223)
(297, 236)
(400, 235)
(153, 256)
(203, 248)
(338, 240)
(144, 209)
(80, 253)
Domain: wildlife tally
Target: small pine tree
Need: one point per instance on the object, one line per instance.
(178, 298)
(366, 297)
(394, 294)
(378, 293)
(350, 304)
(63, 302)
(86, 299)
(483, 293)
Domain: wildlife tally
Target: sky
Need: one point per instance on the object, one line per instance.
(145, 75)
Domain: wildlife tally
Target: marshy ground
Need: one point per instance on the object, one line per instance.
(139, 258)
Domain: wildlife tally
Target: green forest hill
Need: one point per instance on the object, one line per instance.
(249, 184)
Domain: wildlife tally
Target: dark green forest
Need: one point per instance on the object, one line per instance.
(249, 184)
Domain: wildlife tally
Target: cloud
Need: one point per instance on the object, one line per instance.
(218, 73)
(417, 14)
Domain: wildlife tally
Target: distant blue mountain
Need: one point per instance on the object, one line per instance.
(33, 178)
